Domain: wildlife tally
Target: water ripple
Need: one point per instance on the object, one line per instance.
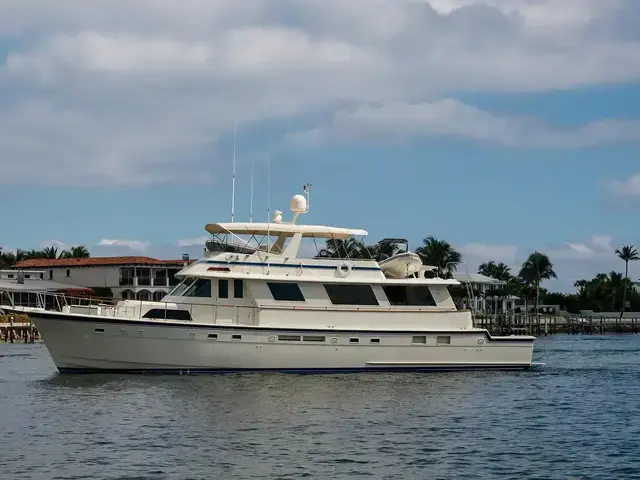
(576, 418)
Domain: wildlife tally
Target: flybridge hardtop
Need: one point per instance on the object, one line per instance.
(287, 229)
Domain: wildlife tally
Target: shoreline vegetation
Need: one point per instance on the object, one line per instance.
(606, 292)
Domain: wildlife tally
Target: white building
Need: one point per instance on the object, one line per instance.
(485, 302)
(141, 278)
(22, 288)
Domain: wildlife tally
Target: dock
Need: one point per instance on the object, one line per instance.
(541, 325)
(18, 329)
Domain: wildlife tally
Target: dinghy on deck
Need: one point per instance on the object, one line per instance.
(401, 265)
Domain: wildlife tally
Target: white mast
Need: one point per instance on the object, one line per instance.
(233, 178)
(269, 199)
(253, 164)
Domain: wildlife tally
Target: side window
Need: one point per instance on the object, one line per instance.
(223, 288)
(238, 289)
(202, 288)
(285, 292)
(350, 294)
(415, 295)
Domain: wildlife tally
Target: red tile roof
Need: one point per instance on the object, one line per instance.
(97, 262)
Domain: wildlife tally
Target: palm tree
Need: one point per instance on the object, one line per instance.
(77, 251)
(50, 252)
(536, 268)
(499, 271)
(615, 282)
(350, 248)
(439, 254)
(627, 253)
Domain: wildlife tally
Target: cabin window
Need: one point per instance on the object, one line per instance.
(238, 288)
(313, 338)
(289, 338)
(354, 340)
(443, 340)
(223, 288)
(419, 339)
(201, 288)
(236, 337)
(285, 292)
(212, 336)
(415, 295)
(161, 313)
(375, 340)
(350, 294)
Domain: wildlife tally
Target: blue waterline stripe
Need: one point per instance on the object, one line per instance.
(294, 331)
(280, 265)
(300, 371)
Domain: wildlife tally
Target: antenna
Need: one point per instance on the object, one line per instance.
(269, 199)
(253, 165)
(233, 178)
(307, 192)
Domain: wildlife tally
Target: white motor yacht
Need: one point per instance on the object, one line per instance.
(252, 303)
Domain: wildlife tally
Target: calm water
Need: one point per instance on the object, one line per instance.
(578, 417)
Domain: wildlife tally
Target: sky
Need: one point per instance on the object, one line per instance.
(501, 126)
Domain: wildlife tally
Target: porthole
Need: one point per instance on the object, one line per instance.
(124, 332)
(192, 335)
(140, 332)
(334, 340)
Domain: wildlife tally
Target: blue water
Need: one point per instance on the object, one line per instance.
(578, 417)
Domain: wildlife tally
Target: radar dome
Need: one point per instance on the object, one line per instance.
(298, 204)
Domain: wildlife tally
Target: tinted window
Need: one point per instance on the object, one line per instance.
(238, 289)
(170, 314)
(350, 294)
(417, 295)
(202, 288)
(223, 288)
(286, 292)
(179, 290)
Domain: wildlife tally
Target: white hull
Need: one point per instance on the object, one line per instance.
(79, 343)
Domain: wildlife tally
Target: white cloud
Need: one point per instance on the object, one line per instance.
(140, 93)
(629, 188)
(136, 245)
(482, 252)
(401, 122)
(189, 242)
(54, 243)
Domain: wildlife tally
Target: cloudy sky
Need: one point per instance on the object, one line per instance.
(502, 126)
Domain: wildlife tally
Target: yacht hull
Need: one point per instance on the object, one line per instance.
(85, 344)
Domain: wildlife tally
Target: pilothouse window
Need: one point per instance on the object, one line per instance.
(223, 288)
(415, 295)
(182, 287)
(202, 289)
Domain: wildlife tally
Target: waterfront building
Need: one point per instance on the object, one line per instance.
(133, 277)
